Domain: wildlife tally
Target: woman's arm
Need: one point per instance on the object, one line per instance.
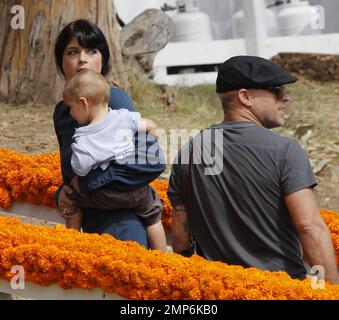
(120, 99)
(64, 126)
(64, 129)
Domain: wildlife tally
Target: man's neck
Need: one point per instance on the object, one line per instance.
(241, 114)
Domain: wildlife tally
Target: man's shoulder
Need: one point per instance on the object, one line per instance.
(248, 127)
(276, 136)
(253, 135)
(283, 145)
(283, 141)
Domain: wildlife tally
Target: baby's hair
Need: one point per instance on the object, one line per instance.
(88, 84)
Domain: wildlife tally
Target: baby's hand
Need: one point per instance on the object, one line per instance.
(75, 184)
(149, 126)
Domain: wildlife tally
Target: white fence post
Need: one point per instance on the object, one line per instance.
(255, 28)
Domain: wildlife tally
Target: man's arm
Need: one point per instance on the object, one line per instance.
(180, 231)
(314, 235)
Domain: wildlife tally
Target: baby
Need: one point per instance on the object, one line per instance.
(107, 135)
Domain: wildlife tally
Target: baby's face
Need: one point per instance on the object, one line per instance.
(78, 111)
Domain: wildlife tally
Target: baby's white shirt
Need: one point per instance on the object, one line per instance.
(95, 145)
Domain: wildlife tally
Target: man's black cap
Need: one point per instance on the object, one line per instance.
(250, 72)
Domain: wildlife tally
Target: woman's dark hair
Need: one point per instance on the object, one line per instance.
(88, 36)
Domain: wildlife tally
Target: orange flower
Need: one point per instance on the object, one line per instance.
(161, 187)
(32, 178)
(74, 260)
(332, 220)
(35, 179)
(5, 197)
(71, 259)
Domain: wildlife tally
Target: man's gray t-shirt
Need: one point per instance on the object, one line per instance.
(239, 215)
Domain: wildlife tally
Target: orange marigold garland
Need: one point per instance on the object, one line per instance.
(5, 197)
(74, 260)
(161, 187)
(31, 178)
(332, 220)
(35, 179)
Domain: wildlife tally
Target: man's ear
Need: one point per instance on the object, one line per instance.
(244, 97)
(84, 102)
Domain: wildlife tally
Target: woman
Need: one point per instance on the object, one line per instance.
(82, 45)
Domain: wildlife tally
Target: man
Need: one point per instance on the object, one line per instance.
(257, 208)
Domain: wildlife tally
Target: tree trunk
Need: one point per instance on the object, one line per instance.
(143, 37)
(27, 68)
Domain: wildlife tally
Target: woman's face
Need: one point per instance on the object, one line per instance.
(76, 58)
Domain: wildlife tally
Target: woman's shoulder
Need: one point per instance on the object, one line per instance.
(59, 110)
(120, 99)
(60, 105)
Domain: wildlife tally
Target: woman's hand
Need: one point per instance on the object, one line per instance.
(65, 204)
(75, 184)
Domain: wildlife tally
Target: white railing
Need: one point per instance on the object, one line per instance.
(52, 292)
(30, 210)
(188, 54)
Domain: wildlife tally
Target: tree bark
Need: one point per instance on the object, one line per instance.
(143, 37)
(27, 68)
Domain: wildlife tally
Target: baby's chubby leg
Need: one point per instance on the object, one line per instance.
(72, 215)
(156, 236)
(73, 218)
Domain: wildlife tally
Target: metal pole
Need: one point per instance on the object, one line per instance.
(255, 28)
